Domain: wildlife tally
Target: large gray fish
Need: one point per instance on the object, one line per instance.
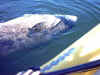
(26, 32)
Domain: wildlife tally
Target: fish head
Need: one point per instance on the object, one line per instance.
(52, 25)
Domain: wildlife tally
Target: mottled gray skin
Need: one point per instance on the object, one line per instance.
(28, 31)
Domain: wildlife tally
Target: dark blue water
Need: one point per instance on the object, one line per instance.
(88, 12)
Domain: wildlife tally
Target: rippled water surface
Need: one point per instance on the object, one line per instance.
(88, 12)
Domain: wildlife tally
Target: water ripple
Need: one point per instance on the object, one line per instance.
(18, 8)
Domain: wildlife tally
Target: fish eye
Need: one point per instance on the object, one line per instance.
(38, 27)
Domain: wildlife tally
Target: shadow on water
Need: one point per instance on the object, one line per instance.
(88, 12)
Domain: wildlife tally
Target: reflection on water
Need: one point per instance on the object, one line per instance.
(88, 12)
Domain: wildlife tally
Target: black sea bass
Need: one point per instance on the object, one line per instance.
(28, 31)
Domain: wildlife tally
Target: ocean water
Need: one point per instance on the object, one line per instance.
(87, 11)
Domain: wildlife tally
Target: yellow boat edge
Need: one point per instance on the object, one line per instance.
(84, 50)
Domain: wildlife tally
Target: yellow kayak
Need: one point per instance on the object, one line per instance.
(84, 50)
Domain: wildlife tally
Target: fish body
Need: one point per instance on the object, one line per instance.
(26, 32)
